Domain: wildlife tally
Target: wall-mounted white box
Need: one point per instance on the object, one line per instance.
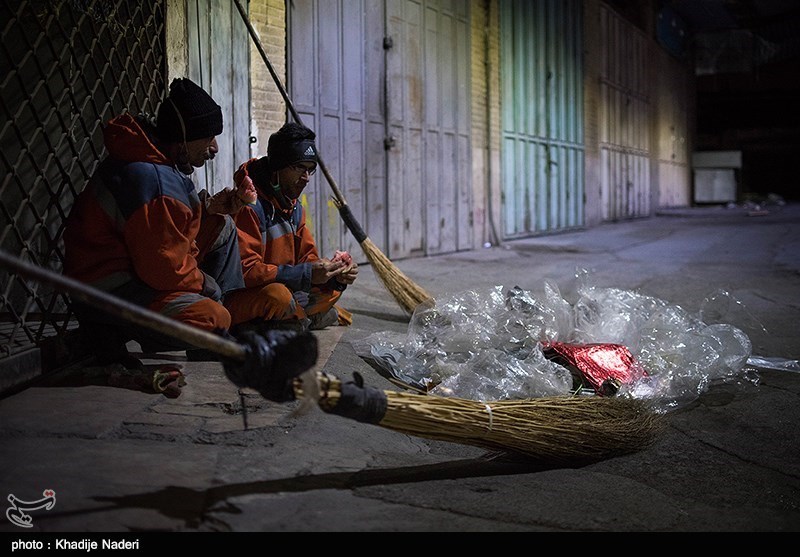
(715, 179)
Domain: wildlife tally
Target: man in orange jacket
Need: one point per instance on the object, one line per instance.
(288, 285)
(140, 231)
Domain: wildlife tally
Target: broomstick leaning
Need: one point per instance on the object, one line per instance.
(407, 294)
(553, 429)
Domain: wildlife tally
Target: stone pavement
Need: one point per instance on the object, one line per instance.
(125, 461)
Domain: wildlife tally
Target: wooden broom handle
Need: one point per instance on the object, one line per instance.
(125, 310)
(339, 198)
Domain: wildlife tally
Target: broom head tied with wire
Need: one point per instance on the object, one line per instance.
(405, 291)
(560, 429)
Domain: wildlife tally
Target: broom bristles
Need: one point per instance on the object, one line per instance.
(565, 429)
(554, 429)
(407, 293)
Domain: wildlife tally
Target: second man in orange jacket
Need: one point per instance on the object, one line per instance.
(287, 283)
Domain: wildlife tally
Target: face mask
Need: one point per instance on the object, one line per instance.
(283, 201)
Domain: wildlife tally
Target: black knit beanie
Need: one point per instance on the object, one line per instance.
(188, 113)
(291, 144)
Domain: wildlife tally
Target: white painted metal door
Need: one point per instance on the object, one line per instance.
(385, 84)
(429, 162)
(335, 81)
(672, 121)
(625, 121)
(219, 63)
(542, 107)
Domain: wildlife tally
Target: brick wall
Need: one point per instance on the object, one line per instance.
(268, 110)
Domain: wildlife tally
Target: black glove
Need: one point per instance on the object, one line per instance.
(360, 403)
(273, 359)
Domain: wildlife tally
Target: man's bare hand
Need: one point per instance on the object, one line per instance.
(348, 274)
(324, 270)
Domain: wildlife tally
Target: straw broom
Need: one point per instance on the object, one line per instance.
(405, 292)
(557, 429)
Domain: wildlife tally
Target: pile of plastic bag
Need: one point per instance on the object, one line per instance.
(496, 344)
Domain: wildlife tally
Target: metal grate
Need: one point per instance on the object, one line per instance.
(66, 68)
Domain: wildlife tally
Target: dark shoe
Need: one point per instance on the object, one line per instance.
(323, 320)
(125, 360)
(156, 346)
(108, 346)
(260, 326)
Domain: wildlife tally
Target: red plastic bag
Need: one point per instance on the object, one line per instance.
(605, 366)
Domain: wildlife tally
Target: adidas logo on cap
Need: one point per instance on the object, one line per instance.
(309, 152)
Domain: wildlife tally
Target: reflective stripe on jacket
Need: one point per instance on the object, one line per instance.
(275, 244)
(138, 216)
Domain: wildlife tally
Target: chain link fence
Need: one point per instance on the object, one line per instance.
(66, 68)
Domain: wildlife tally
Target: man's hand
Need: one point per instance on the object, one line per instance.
(324, 270)
(348, 274)
(229, 201)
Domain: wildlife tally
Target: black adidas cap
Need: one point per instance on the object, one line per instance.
(290, 145)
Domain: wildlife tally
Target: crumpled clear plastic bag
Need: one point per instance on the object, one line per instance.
(681, 354)
(778, 364)
(487, 344)
(482, 345)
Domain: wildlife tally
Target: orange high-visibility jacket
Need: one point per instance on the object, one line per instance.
(138, 216)
(275, 244)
